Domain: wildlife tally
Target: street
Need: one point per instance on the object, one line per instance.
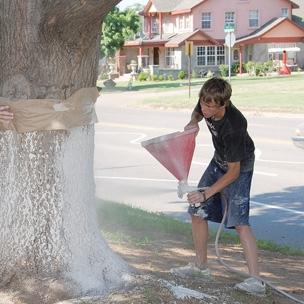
(125, 172)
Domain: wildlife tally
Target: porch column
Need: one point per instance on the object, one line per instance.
(160, 25)
(241, 59)
(139, 57)
(121, 64)
(149, 26)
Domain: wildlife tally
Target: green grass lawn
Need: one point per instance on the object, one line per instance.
(278, 94)
(120, 222)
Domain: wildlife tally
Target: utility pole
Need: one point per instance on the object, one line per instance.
(189, 52)
(229, 41)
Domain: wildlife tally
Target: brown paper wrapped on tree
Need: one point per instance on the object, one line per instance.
(51, 114)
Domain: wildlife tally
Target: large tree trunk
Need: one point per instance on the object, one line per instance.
(48, 228)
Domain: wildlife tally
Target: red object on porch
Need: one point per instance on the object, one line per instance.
(174, 151)
(284, 70)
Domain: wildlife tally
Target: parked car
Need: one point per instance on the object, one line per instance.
(298, 139)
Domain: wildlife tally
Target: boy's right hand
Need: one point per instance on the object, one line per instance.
(5, 114)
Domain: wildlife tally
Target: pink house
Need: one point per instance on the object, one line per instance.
(263, 29)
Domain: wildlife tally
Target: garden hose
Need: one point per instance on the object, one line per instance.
(244, 273)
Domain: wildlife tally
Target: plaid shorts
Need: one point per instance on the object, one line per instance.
(236, 195)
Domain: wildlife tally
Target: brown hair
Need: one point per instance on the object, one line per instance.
(217, 90)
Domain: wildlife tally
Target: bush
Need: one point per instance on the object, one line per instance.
(259, 69)
(161, 77)
(142, 76)
(194, 74)
(170, 77)
(224, 70)
(250, 68)
(154, 77)
(181, 75)
(210, 74)
(269, 66)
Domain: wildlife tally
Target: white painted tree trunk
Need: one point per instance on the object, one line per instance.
(48, 224)
(48, 228)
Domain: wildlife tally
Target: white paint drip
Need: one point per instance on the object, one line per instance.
(181, 292)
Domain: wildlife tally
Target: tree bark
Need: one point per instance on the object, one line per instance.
(49, 49)
(48, 228)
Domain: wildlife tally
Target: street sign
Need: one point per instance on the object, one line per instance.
(230, 39)
(229, 27)
(189, 48)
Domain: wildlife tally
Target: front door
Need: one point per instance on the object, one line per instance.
(156, 56)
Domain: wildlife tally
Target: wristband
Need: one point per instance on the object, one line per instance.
(204, 195)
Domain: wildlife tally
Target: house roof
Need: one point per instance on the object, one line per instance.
(176, 6)
(173, 40)
(267, 31)
(295, 3)
(196, 35)
(299, 11)
(167, 6)
(145, 41)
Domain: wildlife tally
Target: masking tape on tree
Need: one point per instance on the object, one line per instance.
(51, 114)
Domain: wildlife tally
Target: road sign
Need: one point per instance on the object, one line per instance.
(230, 39)
(229, 27)
(189, 48)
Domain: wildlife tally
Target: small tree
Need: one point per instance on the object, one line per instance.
(118, 26)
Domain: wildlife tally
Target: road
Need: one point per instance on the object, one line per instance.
(127, 173)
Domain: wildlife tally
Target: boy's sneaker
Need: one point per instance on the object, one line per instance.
(190, 270)
(253, 286)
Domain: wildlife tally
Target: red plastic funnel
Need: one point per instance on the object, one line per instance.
(174, 151)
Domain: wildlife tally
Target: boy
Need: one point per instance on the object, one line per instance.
(227, 180)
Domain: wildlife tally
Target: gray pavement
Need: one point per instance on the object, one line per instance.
(125, 172)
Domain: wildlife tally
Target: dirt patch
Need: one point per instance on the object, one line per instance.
(154, 261)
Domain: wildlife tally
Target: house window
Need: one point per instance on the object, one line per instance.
(155, 25)
(210, 55)
(201, 55)
(187, 22)
(236, 55)
(181, 23)
(220, 55)
(284, 12)
(170, 57)
(230, 19)
(253, 18)
(206, 20)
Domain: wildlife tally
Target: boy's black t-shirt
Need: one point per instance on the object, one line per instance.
(230, 138)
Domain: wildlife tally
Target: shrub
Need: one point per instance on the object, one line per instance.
(194, 74)
(154, 77)
(224, 70)
(259, 69)
(161, 77)
(170, 77)
(269, 66)
(142, 76)
(250, 67)
(181, 75)
(235, 68)
(210, 74)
